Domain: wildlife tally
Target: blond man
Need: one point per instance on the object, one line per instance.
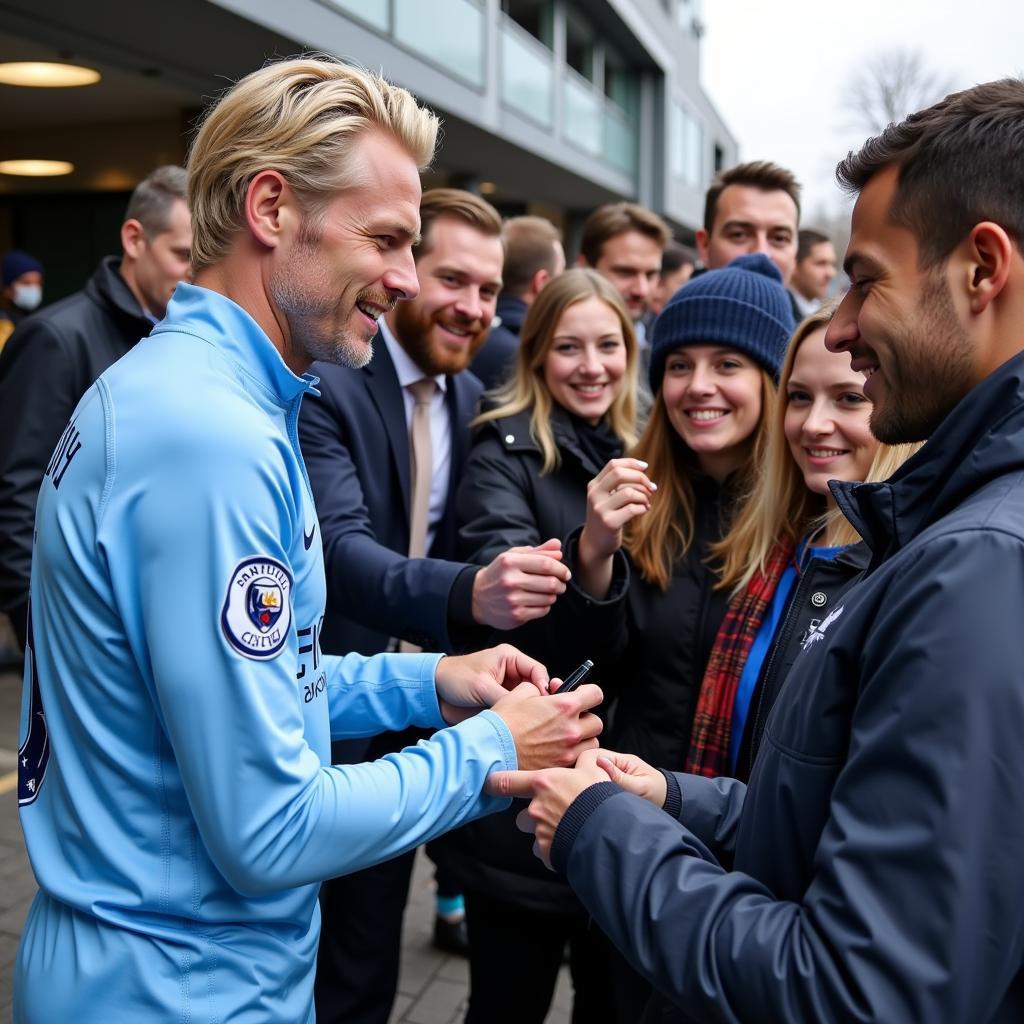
(176, 791)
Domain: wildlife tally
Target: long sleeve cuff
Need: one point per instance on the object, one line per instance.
(574, 819)
(673, 794)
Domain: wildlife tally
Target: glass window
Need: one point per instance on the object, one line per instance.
(448, 32)
(526, 73)
(582, 115)
(579, 47)
(686, 157)
(536, 16)
(373, 12)
(619, 81)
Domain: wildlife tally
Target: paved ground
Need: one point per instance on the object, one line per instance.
(432, 989)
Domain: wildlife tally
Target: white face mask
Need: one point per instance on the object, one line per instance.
(28, 296)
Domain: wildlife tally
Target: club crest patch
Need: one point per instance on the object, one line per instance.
(257, 613)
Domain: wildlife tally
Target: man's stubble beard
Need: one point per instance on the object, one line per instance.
(412, 329)
(933, 374)
(303, 294)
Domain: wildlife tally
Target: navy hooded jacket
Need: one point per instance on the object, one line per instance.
(873, 868)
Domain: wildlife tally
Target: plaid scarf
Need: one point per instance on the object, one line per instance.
(712, 721)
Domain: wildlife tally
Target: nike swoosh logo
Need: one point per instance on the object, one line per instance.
(307, 539)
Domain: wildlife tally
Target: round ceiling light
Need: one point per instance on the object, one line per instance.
(43, 75)
(36, 168)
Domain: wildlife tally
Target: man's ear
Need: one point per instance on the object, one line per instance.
(269, 208)
(989, 256)
(538, 281)
(133, 237)
(702, 246)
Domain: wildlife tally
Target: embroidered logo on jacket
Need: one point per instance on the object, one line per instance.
(818, 632)
(257, 613)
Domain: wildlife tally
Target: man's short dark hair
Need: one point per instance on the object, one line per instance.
(459, 204)
(760, 174)
(529, 247)
(614, 219)
(676, 255)
(807, 239)
(959, 164)
(154, 196)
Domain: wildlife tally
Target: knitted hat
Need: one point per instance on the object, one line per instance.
(16, 263)
(743, 305)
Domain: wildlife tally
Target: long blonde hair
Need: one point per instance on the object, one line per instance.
(527, 389)
(664, 534)
(779, 506)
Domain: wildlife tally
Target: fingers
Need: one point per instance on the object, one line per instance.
(609, 767)
(511, 784)
(530, 564)
(584, 698)
(518, 668)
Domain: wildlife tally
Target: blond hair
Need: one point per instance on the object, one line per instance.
(658, 539)
(299, 117)
(779, 506)
(527, 389)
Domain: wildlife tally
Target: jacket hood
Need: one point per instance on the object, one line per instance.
(981, 439)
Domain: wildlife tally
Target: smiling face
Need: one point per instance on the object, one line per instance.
(749, 219)
(826, 417)
(632, 262)
(713, 398)
(459, 274)
(352, 261)
(899, 324)
(586, 362)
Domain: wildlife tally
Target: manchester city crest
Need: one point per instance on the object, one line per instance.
(257, 615)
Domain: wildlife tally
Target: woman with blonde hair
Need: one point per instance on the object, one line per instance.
(790, 553)
(569, 408)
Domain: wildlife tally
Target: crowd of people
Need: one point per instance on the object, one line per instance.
(313, 496)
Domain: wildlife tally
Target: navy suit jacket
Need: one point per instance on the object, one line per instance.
(355, 444)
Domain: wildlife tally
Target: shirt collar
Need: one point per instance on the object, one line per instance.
(227, 326)
(408, 372)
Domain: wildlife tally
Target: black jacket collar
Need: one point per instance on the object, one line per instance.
(512, 312)
(981, 439)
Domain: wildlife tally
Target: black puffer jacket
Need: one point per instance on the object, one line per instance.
(503, 501)
(45, 368)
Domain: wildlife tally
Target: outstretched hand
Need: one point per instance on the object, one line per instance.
(550, 793)
(469, 683)
(519, 585)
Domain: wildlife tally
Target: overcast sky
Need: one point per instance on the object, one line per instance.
(777, 70)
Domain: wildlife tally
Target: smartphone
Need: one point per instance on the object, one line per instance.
(575, 678)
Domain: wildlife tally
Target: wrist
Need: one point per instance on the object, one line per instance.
(590, 554)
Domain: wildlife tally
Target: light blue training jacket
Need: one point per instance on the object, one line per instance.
(176, 791)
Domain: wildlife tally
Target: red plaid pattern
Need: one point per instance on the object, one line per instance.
(712, 721)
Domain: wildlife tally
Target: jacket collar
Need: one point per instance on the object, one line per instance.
(512, 311)
(514, 432)
(108, 287)
(981, 439)
(226, 326)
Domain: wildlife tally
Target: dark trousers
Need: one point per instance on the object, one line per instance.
(514, 957)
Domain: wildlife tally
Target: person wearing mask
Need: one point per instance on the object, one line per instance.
(789, 555)
(55, 354)
(569, 408)
(21, 290)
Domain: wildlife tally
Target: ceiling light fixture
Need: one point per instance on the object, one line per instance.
(44, 75)
(36, 168)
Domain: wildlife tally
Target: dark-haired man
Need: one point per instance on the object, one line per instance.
(53, 356)
(752, 207)
(871, 869)
(533, 255)
(391, 576)
(815, 270)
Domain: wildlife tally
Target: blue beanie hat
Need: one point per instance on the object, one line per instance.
(16, 263)
(743, 305)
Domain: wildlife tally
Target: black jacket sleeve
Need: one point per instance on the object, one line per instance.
(39, 389)
(912, 912)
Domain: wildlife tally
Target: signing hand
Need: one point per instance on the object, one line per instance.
(471, 682)
(619, 493)
(521, 584)
(551, 730)
(633, 775)
(550, 793)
